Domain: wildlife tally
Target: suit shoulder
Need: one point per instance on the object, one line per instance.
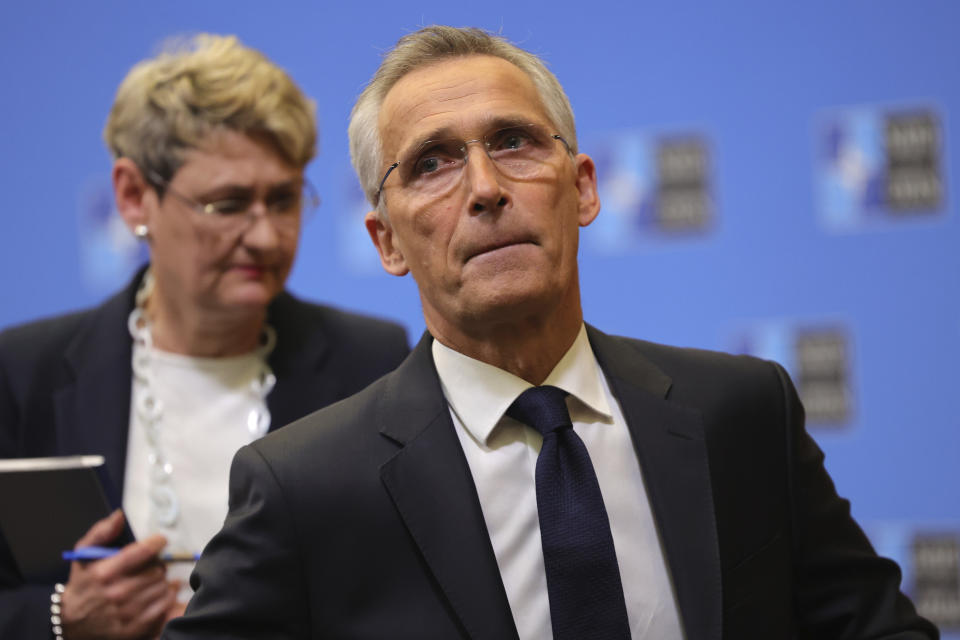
(32, 365)
(335, 429)
(705, 373)
(37, 340)
(738, 398)
(694, 358)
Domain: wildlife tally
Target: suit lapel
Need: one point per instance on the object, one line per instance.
(431, 485)
(92, 410)
(670, 445)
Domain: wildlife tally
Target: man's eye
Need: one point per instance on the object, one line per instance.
(434, 162)
(430, 164)
(435, 156)
(511, 140)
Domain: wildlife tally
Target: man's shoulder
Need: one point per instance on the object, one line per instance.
(672, 358)
(688, 372)
(371, 422)
(736, 398)
(345, 435)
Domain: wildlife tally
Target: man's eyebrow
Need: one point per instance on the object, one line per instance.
(503, 122)
(440, 133)
(446, 132)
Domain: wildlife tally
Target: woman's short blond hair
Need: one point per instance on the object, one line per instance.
(170, 103)
(433, 44)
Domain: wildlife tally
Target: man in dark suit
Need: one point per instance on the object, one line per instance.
(523, 474)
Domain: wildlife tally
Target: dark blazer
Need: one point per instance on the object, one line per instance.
(362, 520)
(65, 389)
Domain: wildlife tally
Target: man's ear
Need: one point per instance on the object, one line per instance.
(130, 190)
(381, 232)
(587, 188)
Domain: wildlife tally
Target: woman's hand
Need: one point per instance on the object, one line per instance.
(124, 596)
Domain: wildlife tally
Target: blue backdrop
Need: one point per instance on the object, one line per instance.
(810, 147)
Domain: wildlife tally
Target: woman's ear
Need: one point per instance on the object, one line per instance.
(130, 191)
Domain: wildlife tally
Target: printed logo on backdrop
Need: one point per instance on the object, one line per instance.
(652, 188)
(109, 253)
(936, 578)
(818, 358)
(879, 166)
(929, 556)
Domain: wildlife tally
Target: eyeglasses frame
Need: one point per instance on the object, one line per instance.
(209, 209)
(555, 136)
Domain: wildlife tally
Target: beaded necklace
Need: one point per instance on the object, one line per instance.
(164, 502)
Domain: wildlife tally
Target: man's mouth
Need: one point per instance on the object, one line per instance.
(492, 247)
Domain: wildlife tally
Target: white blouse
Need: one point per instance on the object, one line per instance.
(206, 406)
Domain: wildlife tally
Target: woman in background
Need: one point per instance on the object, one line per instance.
(202, 353)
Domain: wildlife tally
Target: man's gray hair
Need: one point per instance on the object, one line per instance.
(433, 44)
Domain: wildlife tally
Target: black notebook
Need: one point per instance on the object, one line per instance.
(47, 504)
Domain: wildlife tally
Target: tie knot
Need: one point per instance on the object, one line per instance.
(543, 408)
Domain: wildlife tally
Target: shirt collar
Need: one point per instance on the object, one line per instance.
(480, 394)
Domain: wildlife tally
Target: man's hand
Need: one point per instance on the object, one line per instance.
(120, 597)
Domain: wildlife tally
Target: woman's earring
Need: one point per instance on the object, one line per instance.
(141, 231)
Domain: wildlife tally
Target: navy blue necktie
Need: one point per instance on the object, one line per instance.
(583, 578)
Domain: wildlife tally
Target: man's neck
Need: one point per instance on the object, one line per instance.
(529, 348)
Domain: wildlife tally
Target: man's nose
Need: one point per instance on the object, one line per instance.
(486, 190)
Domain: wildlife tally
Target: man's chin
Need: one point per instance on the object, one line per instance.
(512, 301)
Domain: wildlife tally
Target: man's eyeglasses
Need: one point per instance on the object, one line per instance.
(519, 152)
(287, 206)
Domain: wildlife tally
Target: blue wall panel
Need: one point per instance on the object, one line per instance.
(757, 83)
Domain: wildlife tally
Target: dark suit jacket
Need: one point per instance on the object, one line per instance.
(362, 520)
(65, 389)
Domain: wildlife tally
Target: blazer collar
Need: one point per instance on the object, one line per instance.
(298, 362)
(93, 408)
(431, 485)
(670, 444)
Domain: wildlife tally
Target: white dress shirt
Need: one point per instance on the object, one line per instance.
(502, 455)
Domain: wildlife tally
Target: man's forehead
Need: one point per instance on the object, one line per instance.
(457, 96)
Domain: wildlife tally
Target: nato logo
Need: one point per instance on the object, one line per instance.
(879, 166)
(651, 188)
(929, 557)
(936, 578)
(818, 359)
(109, 253)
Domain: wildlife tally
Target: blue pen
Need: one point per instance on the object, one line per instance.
(99, 553)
